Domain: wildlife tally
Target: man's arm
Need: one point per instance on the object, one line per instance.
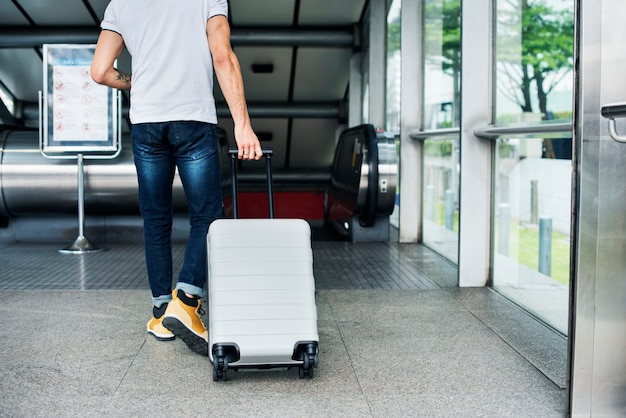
(228, 74)
(110, 46)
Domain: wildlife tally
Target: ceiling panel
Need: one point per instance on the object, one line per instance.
(98, 7)
(24, 76)
(321, 74)
(330, 12)
(266, 87)
(262, 13)
(313, 143)
(10, 15)
(62, 12)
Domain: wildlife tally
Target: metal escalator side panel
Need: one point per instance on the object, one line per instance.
(33, 184)
(3, 137)
(387, 174)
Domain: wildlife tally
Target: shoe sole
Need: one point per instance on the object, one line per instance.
(159, 338)
(195, 343)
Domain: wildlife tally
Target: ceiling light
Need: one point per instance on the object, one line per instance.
(262, 68)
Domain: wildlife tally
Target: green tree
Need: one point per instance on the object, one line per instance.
(393, 36)
(442, 41)
(535, 45)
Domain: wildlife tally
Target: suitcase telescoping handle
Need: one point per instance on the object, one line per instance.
(267, 153)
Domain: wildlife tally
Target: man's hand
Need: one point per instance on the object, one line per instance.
(247, 144)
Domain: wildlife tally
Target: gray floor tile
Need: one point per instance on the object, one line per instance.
(395, 341)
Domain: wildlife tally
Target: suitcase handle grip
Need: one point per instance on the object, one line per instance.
(267, 153)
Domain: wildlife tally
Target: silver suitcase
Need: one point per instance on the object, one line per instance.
(261, 292)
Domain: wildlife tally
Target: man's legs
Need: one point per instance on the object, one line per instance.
(195, 150)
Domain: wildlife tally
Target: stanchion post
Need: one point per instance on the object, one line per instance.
(81, 245)
(534, 202)
(449, 210)
(545, 245)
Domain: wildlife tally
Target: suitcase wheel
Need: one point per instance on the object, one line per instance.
(310, 359)
(222, 356)
(220, 368)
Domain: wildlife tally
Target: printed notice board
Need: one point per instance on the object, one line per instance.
(79, 115)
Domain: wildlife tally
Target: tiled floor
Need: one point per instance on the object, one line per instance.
(397, 338)
(337, 265)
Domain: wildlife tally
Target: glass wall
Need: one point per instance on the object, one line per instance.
(393, 89)
(442, 63)
(394, 61)
(440, 209)
(442, 67)
(532, 174)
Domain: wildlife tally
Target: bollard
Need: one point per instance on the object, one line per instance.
(430, 202)
(504, 222)
(449, 210)
(534, 201)
(545, 245)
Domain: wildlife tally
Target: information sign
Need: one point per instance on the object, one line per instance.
(79, 115)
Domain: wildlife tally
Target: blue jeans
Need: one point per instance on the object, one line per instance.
(159, 148)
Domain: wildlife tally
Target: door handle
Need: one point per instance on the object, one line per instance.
(612, 111)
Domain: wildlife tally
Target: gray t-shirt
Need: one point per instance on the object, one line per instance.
(172, 70)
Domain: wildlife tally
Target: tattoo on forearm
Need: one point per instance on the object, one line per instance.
(124, 78)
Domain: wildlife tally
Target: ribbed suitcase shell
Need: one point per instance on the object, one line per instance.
(261, 289)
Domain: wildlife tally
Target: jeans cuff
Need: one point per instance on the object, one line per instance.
(191, 289)
(160, 300)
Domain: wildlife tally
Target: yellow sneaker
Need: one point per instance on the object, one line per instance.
(156, 328)
(183, 319)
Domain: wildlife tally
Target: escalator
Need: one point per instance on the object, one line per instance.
(362, 189)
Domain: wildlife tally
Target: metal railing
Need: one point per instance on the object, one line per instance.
(423, 135)
(495, 132)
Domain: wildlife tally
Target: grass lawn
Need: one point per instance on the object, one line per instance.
(524, 245)
(524, 248)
